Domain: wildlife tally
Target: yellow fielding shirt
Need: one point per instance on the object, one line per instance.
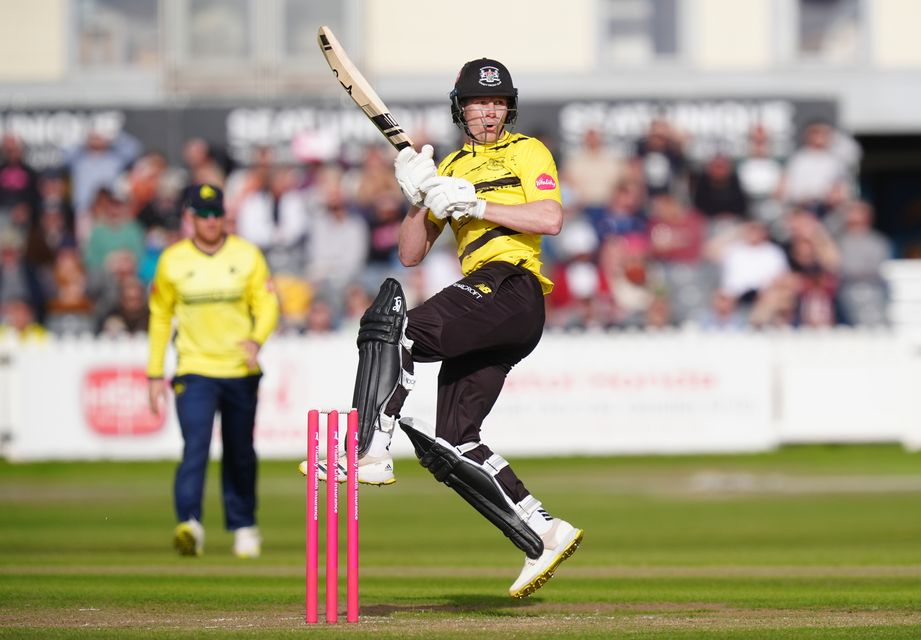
(219, 301)
(516, 169)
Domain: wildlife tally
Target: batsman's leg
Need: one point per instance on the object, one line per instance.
(545, 540)
(383, 379)
(467, 390)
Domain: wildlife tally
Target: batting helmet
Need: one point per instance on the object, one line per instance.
(483, 78)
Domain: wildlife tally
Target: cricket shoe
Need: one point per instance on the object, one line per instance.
(560, 542)
(247, 543)
(371, 470)
(189, 538)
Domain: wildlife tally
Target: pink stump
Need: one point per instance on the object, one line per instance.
(312, 577)
(332, 517)
(351, 444)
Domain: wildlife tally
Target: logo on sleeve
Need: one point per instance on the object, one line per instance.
(545, 182)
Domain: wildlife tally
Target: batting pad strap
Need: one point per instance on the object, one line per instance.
(495, 463)
(528, 506)
(405, 342)
(388, 423)
(466, 447)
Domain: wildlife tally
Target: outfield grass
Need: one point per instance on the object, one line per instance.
(807, 542)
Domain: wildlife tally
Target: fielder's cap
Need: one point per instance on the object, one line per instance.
(206, 199)
(484, 77)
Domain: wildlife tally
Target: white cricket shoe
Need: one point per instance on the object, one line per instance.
(247, 543)
(371, 470)
(560, 542)
(189, 538)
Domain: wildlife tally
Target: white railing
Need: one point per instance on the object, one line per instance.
(677, 391)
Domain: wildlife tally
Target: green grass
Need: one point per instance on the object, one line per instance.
(806, 542)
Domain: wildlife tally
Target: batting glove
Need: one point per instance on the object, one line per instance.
(412, 169)
(455, 197)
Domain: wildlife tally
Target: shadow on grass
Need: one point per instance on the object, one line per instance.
(478, 604)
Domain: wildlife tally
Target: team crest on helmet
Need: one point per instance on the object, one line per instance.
(489, 77)
(207, 193)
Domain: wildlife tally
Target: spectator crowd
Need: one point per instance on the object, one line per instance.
(651, 239)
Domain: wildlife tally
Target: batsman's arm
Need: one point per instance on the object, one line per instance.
(542, 211)
(417, 235)
(542, 216)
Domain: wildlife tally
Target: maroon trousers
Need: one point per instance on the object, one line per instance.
(478, 328)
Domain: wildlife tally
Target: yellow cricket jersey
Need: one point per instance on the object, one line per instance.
(219, 300)
(516, 169)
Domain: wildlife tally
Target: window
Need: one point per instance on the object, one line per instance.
(118, 33)
(219, 29)
(302, 18)
(829, 30)
(638, 31)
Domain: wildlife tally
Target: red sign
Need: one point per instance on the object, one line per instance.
(115, 402)
(545, 182)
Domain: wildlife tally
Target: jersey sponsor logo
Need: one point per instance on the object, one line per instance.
(545, 182)
(463, 287)
(115, 402)
(484, 288)
(214, 297)
(489, 77)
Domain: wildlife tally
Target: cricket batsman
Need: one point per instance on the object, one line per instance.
(498, 194)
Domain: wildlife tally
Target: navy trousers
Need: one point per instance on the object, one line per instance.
(198, 398)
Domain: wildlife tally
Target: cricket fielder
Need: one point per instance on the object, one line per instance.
(218, 287)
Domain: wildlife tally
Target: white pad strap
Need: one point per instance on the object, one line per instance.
(527, 506)
(407, 380)
(491, 466)
(495, 463)
(387, 423)
(467, 446)
(405, 342)
(533, 513)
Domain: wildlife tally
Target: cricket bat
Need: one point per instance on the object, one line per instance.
(360, 90)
